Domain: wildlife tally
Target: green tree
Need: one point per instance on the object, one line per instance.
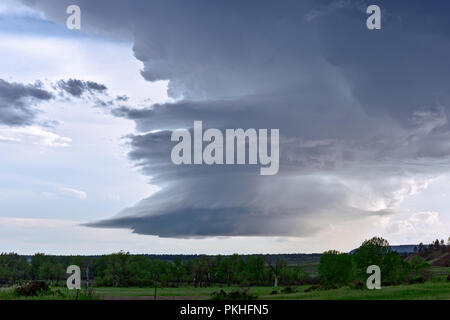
(36, 261)
(50, 268)
(139, 271)
(254, 269)
(371, 252)
(277, 268)
(13, 268)
(394, 270)
(112, 270)
(377, 251)
(229, 269)
(335, 268)
(179, 271)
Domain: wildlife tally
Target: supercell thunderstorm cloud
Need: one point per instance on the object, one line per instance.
(363, 116)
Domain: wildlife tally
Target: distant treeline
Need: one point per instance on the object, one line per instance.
(123, 269)
(291, 258)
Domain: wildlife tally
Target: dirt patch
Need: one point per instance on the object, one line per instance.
(442, 261)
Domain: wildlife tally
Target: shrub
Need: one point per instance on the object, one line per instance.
(33, 288)
(233, 295)
(356, 284)
(416, 279)
(312, 288)
(420, 268)
(288, 290)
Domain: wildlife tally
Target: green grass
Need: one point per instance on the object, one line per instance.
(435, 290)
(431, 290)
(174, 292)
(6, 294)
(425, 291)
(440, 270)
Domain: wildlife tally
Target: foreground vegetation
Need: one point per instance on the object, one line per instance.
(422, 275)
(433, 290)
(10, 293)
(430, 290)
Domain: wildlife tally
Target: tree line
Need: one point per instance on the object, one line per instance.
(123, 269)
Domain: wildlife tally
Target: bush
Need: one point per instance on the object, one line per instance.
(288, 290)
(33, 288)
(416, 279)
(312, 288)
(233, 295)
(356, 284)
(420, 268)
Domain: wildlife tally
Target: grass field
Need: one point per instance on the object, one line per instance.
(431, 290)
(435, 290)
(191, 292)
(440, 271)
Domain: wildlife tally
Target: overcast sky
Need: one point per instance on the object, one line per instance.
(86, 118)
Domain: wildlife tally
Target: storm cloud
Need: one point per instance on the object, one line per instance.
(77, 88)
(17, 102)
(363, 115)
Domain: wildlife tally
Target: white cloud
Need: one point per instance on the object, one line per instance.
(35, 156)
(417, 227)
(78, 194)
(114, 197)
(33, 135)
(86, 58)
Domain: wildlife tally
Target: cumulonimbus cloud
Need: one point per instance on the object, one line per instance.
(362, 114)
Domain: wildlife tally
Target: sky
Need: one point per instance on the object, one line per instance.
(86, 118)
